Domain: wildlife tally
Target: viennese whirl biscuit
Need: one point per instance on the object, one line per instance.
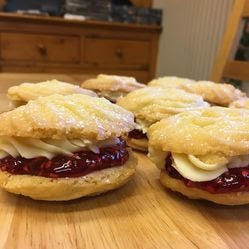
(240, 103)
(65, 147)
(23, 93)
(215, 93)
(152, 104)
(112, 86)
(204, 154)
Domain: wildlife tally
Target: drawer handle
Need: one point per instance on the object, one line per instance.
(42, 49)
(119, 53)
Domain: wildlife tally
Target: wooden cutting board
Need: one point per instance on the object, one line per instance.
(142, 214)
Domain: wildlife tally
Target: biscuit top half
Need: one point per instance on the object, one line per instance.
(170, 81)
(153, 103)
(240, 103)
(72, 116)
(214, 93)
(215, 130)
(30, 91)
(112, 83)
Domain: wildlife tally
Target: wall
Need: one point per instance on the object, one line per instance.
(192, 31)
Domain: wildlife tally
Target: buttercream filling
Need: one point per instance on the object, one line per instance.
(74, 164)
(232, 180)
(195, 169)
(49, 148)
(213, 173)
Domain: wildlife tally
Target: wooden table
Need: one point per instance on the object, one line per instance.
(142, 214)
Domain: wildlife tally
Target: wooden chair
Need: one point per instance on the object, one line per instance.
(225, 66)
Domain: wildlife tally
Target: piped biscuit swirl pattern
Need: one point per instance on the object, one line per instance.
(71, 116)
(214, 130)
(151, 104)
(214, 93)
(25, 92)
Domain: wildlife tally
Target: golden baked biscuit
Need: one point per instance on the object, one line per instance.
(205, 150)
(65, 147)
(25, 92)
(112, 86)
(71, 116)
(240, 103)
(152, 104)
(214, 93)
(137, 144)
(215, 130)
(233, 198)
(170, 81)
(63, 189)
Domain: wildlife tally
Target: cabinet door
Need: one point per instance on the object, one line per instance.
(40, 48)
(117, 52)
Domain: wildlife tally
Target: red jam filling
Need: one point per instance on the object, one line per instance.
(79, 164)
(234, 180)
(137, 134)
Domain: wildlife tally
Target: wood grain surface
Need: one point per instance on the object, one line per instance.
(142, 214)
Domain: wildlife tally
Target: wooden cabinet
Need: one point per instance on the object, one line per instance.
(143, 3)
(55, 45)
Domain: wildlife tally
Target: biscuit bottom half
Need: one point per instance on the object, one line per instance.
(138, 140)
(108, 172)
(230, 188)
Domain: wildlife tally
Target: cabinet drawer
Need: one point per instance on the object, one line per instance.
(117, 52)
(40, 48)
